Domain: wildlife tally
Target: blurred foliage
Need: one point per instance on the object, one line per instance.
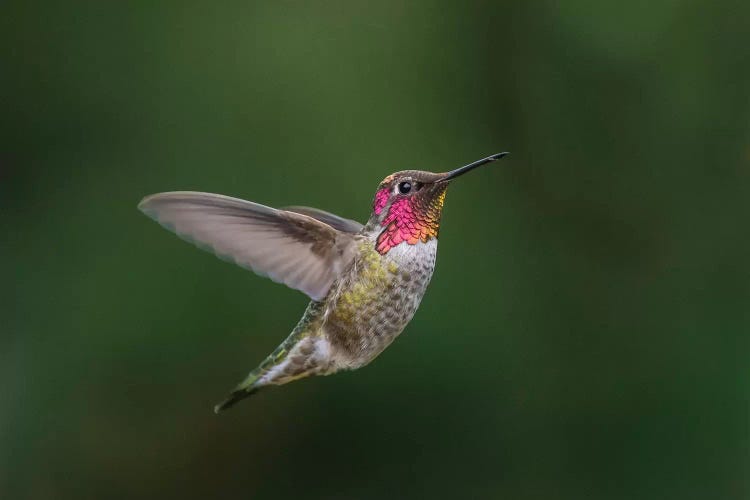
(586, 331)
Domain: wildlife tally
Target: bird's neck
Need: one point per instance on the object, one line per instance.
(409, 220)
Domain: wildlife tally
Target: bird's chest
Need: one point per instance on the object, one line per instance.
(377, 299)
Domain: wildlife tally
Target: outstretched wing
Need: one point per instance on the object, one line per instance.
(333, 220)
(291, 248)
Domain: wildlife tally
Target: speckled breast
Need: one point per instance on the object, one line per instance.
(373, 303)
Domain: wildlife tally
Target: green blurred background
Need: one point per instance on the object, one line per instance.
(586, 331)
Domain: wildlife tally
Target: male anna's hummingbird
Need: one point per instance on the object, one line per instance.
(365, 282)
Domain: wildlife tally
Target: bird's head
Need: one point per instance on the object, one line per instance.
(408, 205)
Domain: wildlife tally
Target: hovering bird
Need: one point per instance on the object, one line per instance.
(365, 282)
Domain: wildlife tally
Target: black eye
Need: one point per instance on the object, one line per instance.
(404, 187)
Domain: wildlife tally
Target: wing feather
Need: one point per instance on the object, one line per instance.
(299, 250)
(333, 220)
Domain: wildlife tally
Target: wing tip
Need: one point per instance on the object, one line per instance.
(146, 205)
(142, 205)
(148, 201)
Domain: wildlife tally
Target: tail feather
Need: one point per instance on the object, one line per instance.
(236, 396)
(277, 369)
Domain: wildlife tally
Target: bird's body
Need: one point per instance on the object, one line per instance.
(366, 282)
(364, 312)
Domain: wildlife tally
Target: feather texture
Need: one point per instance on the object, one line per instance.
(333, 220)
(299, 250)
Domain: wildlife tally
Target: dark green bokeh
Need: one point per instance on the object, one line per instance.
(586, 331)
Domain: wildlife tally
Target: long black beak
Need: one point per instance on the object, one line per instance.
(471, 166)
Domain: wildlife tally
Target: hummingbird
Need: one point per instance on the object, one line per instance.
(365, 282)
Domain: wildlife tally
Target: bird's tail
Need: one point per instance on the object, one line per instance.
(236, 395)
(245, 389)
(270, 371)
